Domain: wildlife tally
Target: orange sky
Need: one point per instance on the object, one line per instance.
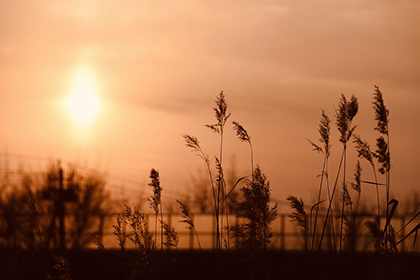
(159, 65)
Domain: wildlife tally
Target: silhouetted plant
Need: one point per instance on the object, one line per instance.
(255, 233)
(356, 185)
(324, 132)
(32, 209)
(244, 137)
(89, 209)
(382, 152)
(141, 263)
(193, 143)
(188, 219)
(139, 232)
(413, 231)
(155, 201)
(118, 232)
(381, 244)
(219, 185)
(171, 235)
(345, 114)
(344, 117)
(351, 220)
(384, 238)
(299, 216)
(222, 116)
(363, 151)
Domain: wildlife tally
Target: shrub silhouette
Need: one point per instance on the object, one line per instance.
(30, 211)
(255, 232)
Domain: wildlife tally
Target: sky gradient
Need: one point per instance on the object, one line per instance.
(159, 65)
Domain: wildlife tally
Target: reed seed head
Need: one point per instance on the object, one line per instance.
(299, 214)
(171, 235)
(241, 132)
(221, 114)
(346, 198)
(345, 114)
(382, 154)
(191, 142)
(381, 112)
(363, 149)
(187, 219)
(357, 178)
(155, 199)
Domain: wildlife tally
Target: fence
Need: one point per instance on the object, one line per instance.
(286, 236)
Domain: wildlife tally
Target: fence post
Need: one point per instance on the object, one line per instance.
(213, 233)
(403, 231)
(191, 235)
(282, 232)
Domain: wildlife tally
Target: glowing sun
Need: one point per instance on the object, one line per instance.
(83, 103)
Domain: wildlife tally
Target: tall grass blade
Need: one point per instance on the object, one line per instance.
(394, 204)
(233, 188)
(414, 230)
(412, 219)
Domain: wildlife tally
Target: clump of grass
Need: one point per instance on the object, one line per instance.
(140, 262)
(139, 232)
(143, 263)
(255, 233)
(255, 209)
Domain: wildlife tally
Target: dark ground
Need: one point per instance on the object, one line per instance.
(113, 265)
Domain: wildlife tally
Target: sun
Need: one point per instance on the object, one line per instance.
(83, 103)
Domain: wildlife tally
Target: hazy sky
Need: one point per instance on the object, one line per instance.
(158, 66)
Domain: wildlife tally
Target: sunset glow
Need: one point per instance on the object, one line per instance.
(116, 84)
(83, 103)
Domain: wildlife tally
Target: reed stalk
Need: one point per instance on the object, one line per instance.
(345, 114)
(222, 116)
(155, 202)
(324, 131)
